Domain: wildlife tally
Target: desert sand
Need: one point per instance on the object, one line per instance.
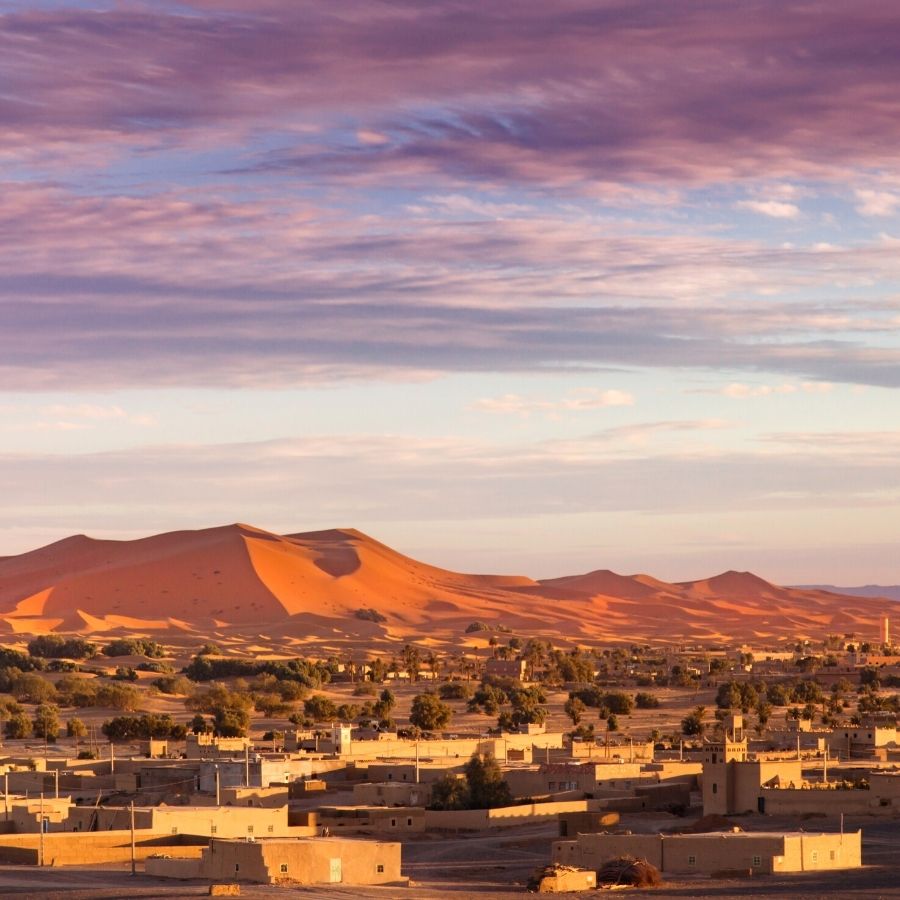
(240, 581)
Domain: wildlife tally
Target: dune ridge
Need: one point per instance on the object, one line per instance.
(310, 587)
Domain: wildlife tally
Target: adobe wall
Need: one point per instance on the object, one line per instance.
(815, 852)
(304, 862)
(503, 817)
(70, 849)
(797, 801)
(590, 851)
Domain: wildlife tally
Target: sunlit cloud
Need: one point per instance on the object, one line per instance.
(774, 209)
(577, 401)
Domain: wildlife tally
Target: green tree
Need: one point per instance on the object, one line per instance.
(75, 728)
(693, 724)
(429, 713)
(29, 687)
(574, 709)
(46, 721)
(18, 726)
(450, 792)
(487, 789)
(320, 708)
(481, 786)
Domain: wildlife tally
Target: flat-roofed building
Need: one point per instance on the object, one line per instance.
(759, 852)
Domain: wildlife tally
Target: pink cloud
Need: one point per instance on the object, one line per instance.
(562, 93)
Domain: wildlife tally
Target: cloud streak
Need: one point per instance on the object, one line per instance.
(558, 93)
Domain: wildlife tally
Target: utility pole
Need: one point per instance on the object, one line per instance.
(112, 758)
(41, 836)
(218, 795)
(247, 764)
(133, 866)
(56, 783)
(6, 795)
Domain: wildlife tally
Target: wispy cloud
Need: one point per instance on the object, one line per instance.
(739, 391)
(876, 203)
(577, 401)
(774, 209)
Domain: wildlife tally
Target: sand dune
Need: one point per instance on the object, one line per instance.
(238, 580)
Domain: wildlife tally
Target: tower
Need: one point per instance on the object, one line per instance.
(886, 631)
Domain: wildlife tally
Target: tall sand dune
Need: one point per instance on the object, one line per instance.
(241, 580)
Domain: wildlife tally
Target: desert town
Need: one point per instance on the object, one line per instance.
(516, 766)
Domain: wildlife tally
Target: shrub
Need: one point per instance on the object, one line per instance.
(455, 690)
(370, 615)
(18, 726)
(55, 646)
(643, 700)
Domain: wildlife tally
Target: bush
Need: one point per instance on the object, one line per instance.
(370, 615)
(18, 726)
(55, 646)
(644, 700)
(144, 727)
(320, 708)
(173, 684)
(477, 626)
(30, 687)
(134, 647)
(455, 690)
(119, 696)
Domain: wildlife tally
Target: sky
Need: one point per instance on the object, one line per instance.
(532, 287)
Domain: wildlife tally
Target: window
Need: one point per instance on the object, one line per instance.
(551, 785)
(213, 829)
(715, 788)
(757, 861)
(237, 867)
(815, 856)
(175, 830)
(409, 821)
(249, 829)
(393, 823)
(379, 868)
(692, 860)
(284, 868)
(271, 828)
(832, 854)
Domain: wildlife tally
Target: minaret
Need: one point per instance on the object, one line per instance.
(886, 631)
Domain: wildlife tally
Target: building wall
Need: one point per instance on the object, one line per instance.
(84, 849)
(222, 821)
(708, 853)
(807, 853)
(504, 817)
(800, 802)
(372, 819)
(735, 787)
(391, 793)
(303, 862)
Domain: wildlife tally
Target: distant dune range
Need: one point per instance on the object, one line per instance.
(238, 580)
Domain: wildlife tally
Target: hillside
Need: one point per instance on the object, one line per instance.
(308, 588)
